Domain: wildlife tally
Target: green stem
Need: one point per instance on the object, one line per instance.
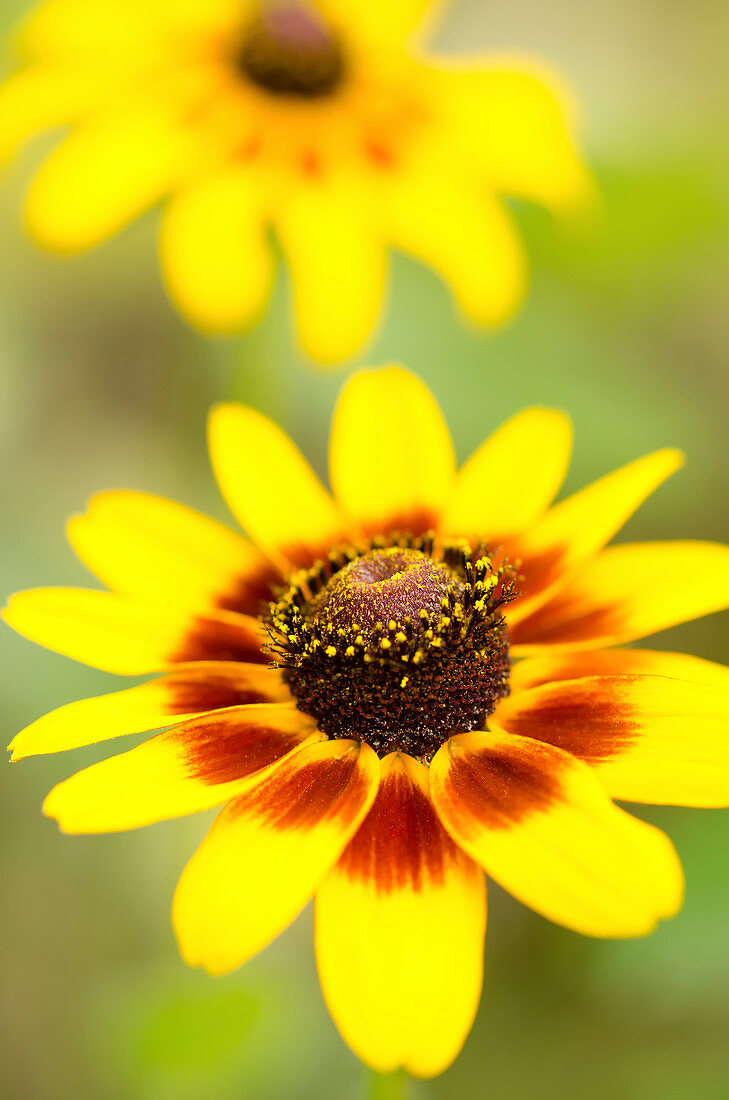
(388, 1086)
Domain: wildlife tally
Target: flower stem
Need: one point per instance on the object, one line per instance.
(388, 1086)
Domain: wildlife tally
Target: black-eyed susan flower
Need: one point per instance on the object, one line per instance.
(391, 689)
(325, 122)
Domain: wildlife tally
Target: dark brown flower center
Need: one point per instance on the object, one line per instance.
(289, 50)
(396, 644)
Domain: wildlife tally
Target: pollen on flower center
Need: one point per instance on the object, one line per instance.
(395, 643)
(387, 584)
(289, 50)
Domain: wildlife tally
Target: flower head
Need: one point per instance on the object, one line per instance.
(323, 121)
(391, 689)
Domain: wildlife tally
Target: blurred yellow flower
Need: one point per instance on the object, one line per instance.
(325, 122)
(343, 683)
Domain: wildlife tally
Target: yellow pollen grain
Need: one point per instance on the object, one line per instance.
(349, 651)
(331, 651)
(404, 681)
(385, 643)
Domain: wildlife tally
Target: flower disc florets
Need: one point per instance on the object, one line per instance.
(288, 50)
(396, 643)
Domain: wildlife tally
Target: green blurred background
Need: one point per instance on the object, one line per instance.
(103, 386)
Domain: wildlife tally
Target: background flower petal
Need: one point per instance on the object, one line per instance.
(120, 28)
(381, 21)
(338, 264)
(517, 121)
(462, 232)
(216, 256)
(107, 173)
(42, 98)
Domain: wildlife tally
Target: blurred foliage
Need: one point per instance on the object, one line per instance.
(102, 386)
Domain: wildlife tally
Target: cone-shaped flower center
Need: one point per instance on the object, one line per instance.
(288, 50)
(394, 644)
(385, 585)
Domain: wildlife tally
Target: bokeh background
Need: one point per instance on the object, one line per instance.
(103, 386)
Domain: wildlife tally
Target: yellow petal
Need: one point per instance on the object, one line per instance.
(216, 256)
(267, 852)
(390, 454)
(400, 923)
(175, 698)
(617, 662)
(539, 822)
(189, 17)
(187, 769)
(627, 592)
(129, 636)
(115, 30)
(512, 478)
(517, 123)
(144, 545)
(270, 487)
(579, 526)
(648, 738)
(338, 267)
(380, 21)
(105, 174)
(462, 232)
(40, 99)
(77, 28)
